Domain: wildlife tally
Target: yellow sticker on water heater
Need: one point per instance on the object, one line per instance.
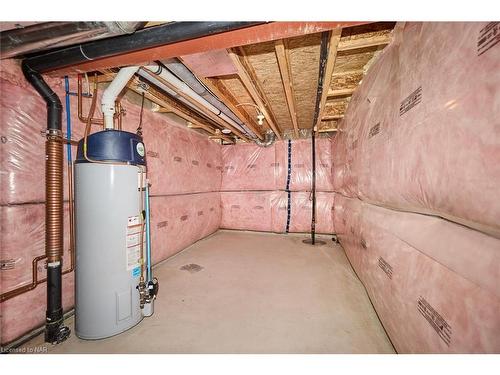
(133, 242)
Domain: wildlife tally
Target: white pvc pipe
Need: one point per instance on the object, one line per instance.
(112, 91)
(184, 88)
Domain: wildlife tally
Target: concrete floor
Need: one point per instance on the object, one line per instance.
(254, 293)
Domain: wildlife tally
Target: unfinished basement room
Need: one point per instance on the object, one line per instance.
(244, 187)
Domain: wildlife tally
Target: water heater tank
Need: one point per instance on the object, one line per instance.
(108, 225)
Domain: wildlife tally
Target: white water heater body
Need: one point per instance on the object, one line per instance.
(109, 229)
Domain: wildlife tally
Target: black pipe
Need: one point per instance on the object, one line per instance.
(142, 39)
(322, 68)
(54, 106)
(55, 331)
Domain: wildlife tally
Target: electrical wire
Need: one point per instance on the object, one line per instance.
(139, 128)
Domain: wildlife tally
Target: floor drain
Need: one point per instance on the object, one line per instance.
(192, 268)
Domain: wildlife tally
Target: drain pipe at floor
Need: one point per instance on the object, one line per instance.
(55, 331)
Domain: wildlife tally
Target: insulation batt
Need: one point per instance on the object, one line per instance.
(435, 289)
(177, 221)
(249, 167)
(420, 142)
(253, 183)
(25, 312)
(267, 211)
(422, 132)
(301, 173)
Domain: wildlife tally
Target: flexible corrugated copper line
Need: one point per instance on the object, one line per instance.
(54, 199)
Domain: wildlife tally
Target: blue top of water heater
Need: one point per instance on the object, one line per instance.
(113, 145)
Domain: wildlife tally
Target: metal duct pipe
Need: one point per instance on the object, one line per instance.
(146, 76)
(47, 35)
(55, 331)
(146, 38)
(269, 139)
(184, 74)
(183, 87)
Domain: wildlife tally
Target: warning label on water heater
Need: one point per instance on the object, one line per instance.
(133, 242)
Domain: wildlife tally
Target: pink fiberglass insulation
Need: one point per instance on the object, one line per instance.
(251, 167)
(301, 212)
(193, 159)
(27, 311)
(301, 164)
(23, 238)
(248, 167)
(177, 221)
(267, 211)
(247, 210)
(431, 298)
(214, 63)
(422, 131)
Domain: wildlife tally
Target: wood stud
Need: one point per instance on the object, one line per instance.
(252, 85)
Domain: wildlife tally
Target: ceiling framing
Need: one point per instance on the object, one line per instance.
(279, 78)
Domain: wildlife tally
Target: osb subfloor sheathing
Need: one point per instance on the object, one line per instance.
(243, 292)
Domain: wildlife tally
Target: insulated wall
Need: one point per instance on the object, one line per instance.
(269, 188)
(416, 168)
(184, 169)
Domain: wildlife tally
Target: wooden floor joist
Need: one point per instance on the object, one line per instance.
(283, 58)
(252, 85)
(218, 88)
(347, 72)
(330, 64)
(332, 117)
(348, 45)
(201, 108)
(340, 92)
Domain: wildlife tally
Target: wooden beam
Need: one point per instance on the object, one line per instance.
(282, 54)
(348, 45)
(221, 91)
(330, 64)
(200, 107)
(251, 83)
(241, 37)
(340, 92)
(348, 72)
(332, 117)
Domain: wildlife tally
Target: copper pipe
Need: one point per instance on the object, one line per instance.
(34, 267)
(94, 121)
(26, 288)
(118, 107)
(54, 198)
